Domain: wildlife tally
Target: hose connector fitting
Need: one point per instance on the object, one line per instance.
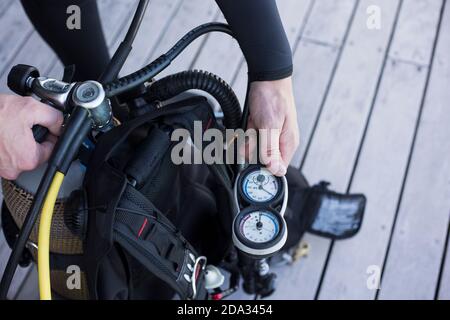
(91, 96)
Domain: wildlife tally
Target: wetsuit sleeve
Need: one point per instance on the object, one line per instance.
(85, 48)
(258, 29)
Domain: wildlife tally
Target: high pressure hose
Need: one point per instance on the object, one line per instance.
(65, 151)
(173, 85)
(125, 47)
(79, 125)
(84, 118)
(137, 78)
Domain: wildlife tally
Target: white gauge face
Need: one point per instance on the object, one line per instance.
(259, 226)
(260, 186)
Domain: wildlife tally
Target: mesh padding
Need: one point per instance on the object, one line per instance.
(18, 202)
(58, 279)
(59, 285)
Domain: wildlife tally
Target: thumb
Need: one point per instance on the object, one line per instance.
(269, 149)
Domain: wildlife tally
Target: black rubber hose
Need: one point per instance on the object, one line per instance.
(78, 125)
(173, 85)
(121, 54)
(137, 78)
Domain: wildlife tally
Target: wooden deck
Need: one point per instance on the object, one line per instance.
(374, 115)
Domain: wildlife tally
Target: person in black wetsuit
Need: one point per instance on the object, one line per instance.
(257, 27)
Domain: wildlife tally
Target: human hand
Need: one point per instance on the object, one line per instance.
(272, 107)
(19, 151)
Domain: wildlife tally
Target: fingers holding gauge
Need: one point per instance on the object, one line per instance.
(259, 231)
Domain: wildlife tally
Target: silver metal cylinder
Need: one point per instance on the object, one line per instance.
(91, 96)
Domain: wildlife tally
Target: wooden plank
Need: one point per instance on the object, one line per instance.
(383, 158)
(334, 144)
(157, 18)
(190, 15)
(115, 16)
(417, 245)
(221, 53)
(46, 61)
(327, 25)
(443, 292)
(415, 31)
(314, 61)
(15, 30)
(4, 5)
(294, 28)
(27, 55)
(20, 274)
(329, 31)
(29, 290)
(314, 64)
(379, 176)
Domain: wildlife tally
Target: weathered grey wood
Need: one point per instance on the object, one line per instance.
(334, 146)
(331, 30)
(414, 258)
(27, 55)
(294, 28)
(379, 176)
(191, 14)
(115, 16)
(239, 83)
(415, 31)
(346, 95)
(14, 31)
(157, 18)
(384, 157)
(221, 53)
(29, 287)
(444, 288)
(20, 274)
(313, 63)
(4, 5)
(327, 25)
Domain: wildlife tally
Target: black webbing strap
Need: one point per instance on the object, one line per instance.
(148, 236)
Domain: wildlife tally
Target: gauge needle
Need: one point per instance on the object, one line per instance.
(259, 224)
(262, 188)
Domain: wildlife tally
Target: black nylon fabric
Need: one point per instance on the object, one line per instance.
(106, 183)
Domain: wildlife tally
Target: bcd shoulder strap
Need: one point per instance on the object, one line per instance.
(132, 220)
(157, 244)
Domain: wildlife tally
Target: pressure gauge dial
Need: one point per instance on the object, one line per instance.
(256, 185)
(259, 226)
(259, 231)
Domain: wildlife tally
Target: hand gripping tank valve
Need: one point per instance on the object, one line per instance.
(86, 108)
(90, 95)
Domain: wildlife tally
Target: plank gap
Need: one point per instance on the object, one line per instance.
(411, 152)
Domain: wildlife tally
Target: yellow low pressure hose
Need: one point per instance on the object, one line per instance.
(45, 225)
